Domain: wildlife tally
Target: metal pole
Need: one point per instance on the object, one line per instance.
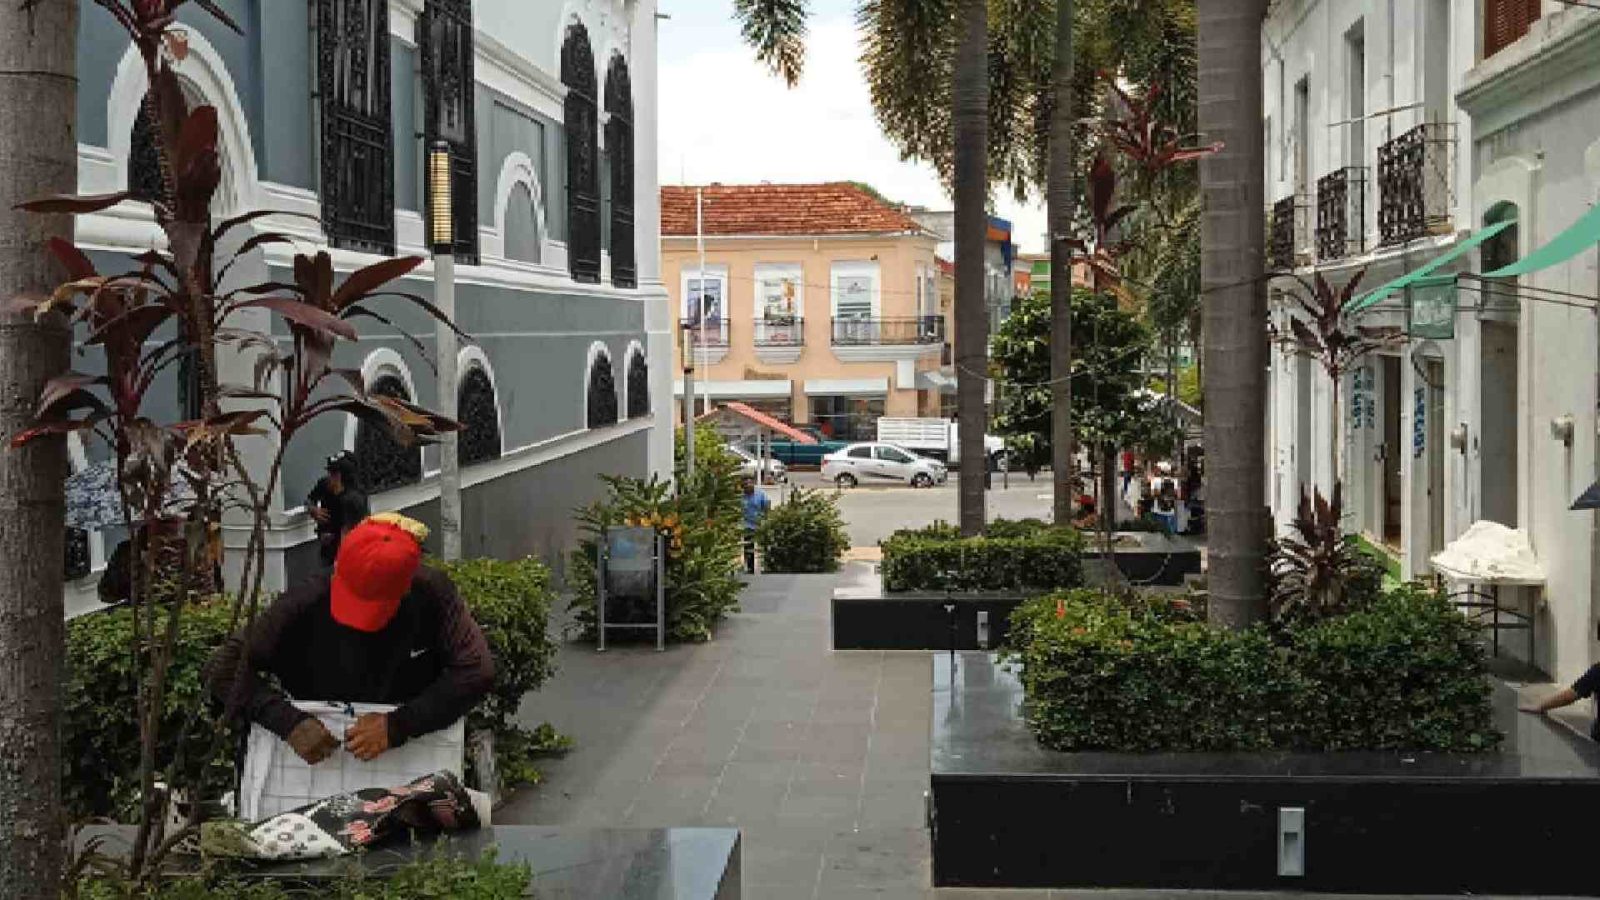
(600, 591)
(661, 592)
(444, 269)
(688, 404)
(700, 243)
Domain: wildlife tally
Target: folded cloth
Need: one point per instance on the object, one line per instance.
(349, 822)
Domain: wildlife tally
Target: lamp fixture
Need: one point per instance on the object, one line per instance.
(441, 225)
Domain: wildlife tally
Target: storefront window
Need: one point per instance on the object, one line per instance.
(847, 418)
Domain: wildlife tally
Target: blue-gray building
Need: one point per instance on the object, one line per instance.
(549, 108)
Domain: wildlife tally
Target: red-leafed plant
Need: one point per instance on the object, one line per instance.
(166, 311)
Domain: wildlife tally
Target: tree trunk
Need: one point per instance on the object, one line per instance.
(1233, 235)
(1061, 197)
(38, 155)
(971, 121)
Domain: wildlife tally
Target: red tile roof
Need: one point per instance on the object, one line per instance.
(766, 421)
(739, 209)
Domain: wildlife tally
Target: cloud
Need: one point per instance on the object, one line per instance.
(725, 118)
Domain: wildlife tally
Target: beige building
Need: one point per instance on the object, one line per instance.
(817, 303)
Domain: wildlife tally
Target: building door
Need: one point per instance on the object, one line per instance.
(1433, 371)
(1498, 437)
(1393, 451)
(1303, 436)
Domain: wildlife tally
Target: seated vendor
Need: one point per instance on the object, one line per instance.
(382, 629)
(1582, 688)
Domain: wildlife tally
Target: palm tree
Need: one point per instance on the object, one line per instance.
(38, 85)
(1061, 197)
(1235, 316)
(970, 116)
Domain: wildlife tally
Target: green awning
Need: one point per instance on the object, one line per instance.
(1377, 295)
(1583, 234)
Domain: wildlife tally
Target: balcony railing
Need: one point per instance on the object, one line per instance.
(711, 332)
(908, 331)
(1342, 213)
(1414, 179)
(780, 332)
(1289, 234)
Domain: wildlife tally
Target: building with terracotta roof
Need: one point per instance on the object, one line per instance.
(817, 302)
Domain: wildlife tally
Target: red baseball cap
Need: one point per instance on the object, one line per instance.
(373, 571)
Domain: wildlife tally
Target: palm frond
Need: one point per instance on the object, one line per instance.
(776, 29)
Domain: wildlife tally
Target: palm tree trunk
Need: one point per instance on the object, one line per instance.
(1060, 195)
(971, 120)
(38, 71)
(1233, 234)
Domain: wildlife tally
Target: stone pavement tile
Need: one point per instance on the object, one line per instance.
(829, 713)
(740, 806)
(833, 779)
(835, 810)
(877, 859)
(876, 893)
(983, 894)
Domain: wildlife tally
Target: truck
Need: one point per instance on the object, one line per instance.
(938, 438)
(796, 453)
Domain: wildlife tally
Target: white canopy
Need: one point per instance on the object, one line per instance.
(1490, 553)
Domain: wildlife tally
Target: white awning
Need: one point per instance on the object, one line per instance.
(817, 387)
(739, 390)
(935, 380)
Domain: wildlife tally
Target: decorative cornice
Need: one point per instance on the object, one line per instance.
(1499, 89)
(884, 352)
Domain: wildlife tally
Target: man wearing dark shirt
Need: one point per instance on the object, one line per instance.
(382, 629)
(1581, 689)
(337, 505)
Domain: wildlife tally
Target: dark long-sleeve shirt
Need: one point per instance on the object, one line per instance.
(431, 660)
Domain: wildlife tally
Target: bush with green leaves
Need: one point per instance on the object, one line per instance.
(509, 600)
(702, 520)
(804, 535)
(1404, 672)
(436, 875)
(1027, 555)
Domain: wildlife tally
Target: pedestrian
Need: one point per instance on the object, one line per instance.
(1581, 689)
(1165, 507)
(756, 506)
(337, 505)
(1128, 461)
(380, 629)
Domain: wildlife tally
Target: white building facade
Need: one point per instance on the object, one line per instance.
(1400, 132)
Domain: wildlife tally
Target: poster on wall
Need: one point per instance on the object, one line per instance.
(704, 301)
(855, 296)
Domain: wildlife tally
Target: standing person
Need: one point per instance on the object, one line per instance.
(756, 506)
(1584, 687)
(1128, 461)
(1165, 507)
(381, 629)
(337, 505)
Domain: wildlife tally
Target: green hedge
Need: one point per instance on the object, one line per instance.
(1026, 555)
(804, 535)
(437, 875)
(1404, 672)
(509, 600)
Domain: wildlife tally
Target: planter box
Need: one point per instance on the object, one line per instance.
(1009, 813)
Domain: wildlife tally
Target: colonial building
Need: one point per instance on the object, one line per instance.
(1422, 145)
(814, 303)
(326, 108)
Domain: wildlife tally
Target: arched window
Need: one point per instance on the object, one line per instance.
(619, 141)
(602, 392)
(476, 409)
(357, 145)
(144, 165)
(638, 386)
(581, 112)
(383, 463)
(523, 241)
(444, 34)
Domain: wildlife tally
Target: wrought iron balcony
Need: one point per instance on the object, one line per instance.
(784, 331)
(709, 332)
(1414, 183)
(1341, 213)
(906, 331)
(1289, 234)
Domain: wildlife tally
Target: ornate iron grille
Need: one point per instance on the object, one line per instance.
(1414, 184)
(382, 462)
(602, 393)
(638, 386)
(581, 114)
(144, 164)
(480, 439)
(1341, 213)
(444, 33)
(909, 330)
(1281, 237)
(619, 141)
(357, 144)
(77, 559)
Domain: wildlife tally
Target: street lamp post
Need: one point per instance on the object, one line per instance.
(686, 339)
(442, 240)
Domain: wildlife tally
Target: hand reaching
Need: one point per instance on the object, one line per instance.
(312, 741)
(368, 738)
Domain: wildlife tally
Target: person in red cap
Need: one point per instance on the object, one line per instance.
(381, 629)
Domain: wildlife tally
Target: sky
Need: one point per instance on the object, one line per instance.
(725, 118)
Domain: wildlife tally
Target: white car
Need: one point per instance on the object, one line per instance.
(776, 472)
(860, 463)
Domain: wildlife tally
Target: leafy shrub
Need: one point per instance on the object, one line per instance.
(1317, 570)
(1012, 556)
(804, 535)
(510, 600)
(436, 875)
(703, 523)
(1404, 672)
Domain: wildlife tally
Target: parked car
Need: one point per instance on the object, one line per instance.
(877, 462)
(774, 472)
(795, 453)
